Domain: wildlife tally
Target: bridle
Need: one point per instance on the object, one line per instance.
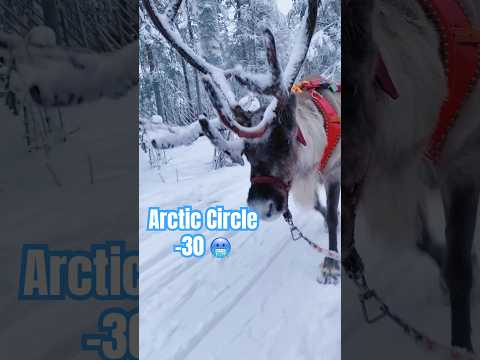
(272, 180)
(276, 182)
(332, 120)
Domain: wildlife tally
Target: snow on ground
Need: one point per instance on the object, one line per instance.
(34, 210)
(409, 282)
(261, 303)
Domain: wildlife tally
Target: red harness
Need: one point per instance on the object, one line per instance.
(460, 48)
(331, 123)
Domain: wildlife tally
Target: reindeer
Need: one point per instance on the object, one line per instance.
(388, 138)
(267, 137)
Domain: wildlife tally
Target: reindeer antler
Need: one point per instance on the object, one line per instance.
(275, 83)
(300, 49)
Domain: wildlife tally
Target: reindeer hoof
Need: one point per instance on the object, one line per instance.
(329, 272)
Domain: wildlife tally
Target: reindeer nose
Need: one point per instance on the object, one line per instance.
(270, 209)
(266, 208)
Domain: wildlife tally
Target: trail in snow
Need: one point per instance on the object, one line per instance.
(262, 302)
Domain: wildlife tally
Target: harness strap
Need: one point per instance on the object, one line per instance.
(332, 122)
(332, 126)
(460, 46)
(272, 180)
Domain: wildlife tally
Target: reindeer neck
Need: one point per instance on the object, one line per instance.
(310, 121)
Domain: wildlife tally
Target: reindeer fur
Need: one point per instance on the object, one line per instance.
(311, 122)
(391, 136)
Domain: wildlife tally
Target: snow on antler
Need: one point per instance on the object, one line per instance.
(302, 44)
(215, 78)
(276, 82)
(226, 116)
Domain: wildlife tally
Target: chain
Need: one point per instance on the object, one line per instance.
(369, 295)
(297, 235)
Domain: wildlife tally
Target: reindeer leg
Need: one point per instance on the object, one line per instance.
(426, 243)
(322, 209)
(461, 202)
(331, 267)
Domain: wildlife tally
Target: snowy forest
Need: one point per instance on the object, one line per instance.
(245, 306)
(226, 33)
(74, 36)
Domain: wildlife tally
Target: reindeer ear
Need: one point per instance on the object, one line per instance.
(288, 114)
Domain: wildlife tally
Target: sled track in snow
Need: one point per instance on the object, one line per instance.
(202, 332)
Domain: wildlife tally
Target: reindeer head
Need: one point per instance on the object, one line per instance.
(267, 136)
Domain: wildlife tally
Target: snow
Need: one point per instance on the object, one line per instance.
(262, 303)
(258, 83)
(297, 53)
(284, 6)
(249, 103)
(167, 137)
(64, 76)
(409, 282)
(72, 217)
(41, 36)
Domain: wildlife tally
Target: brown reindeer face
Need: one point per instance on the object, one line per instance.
(272, 163)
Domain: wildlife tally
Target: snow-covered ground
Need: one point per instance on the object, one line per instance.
(261, 303)
(409, 282)
(34, 210)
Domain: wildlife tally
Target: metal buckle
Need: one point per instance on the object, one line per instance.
(295, 232)
(364, 298)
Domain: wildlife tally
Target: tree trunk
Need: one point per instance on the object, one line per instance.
(192, 41)
(50, 16)
(187, 88)
(156, 88)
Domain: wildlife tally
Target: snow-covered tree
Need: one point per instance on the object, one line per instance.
(227, 33)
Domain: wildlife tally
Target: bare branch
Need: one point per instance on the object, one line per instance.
(233, 148)
(170, 137)
(300, 49)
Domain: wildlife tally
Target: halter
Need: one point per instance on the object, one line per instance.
(277, 183)
(274, 181)
(332, 128)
